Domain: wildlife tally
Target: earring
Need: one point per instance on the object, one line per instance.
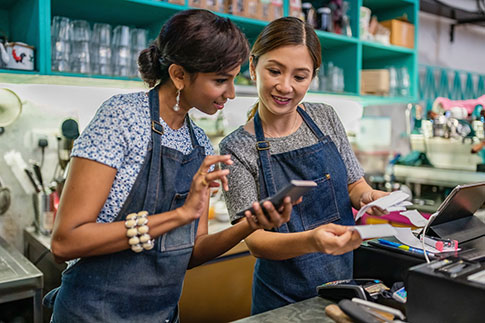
(176, 107)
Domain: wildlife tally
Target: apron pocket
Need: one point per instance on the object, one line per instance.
(319, 206)
(50, 298)
(181, 237)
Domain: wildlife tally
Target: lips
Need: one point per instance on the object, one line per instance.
(280, 99)
(219, 105)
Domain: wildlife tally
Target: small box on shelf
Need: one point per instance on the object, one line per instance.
(197, 3)
(217, 5)
(238, 8)
(179, 2)
(253, 9)
(375, 81)
(402, 32)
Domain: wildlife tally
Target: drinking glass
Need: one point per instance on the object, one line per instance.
(121, 51)
(138, 43)
(101, 49)
(80, 39)
(60, 50)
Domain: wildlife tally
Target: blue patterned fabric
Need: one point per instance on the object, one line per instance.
(118, 136)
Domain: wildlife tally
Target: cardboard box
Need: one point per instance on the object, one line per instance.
(238, 7)
(295, 9)
(402, 33)
(180, 2)
(265, 10)
(253, 9)
(375, 82)
(197, 3)
(276, 9)
(218, 5)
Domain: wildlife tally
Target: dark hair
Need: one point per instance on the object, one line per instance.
(286, 31)
(197, 40)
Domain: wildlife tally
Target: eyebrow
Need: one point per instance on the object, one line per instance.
(222, 74)
(279, 64)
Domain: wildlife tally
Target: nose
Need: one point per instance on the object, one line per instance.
(231, 91)
(284, 85)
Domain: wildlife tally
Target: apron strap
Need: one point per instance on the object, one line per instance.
(193, 137)
(262, 145)
(311, 124)
(156, 163)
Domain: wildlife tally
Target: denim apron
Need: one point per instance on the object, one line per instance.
(138, 287)
(280, 282)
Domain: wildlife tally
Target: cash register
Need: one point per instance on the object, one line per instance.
(452, 289)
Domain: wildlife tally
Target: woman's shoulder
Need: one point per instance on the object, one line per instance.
(237, 139)
(319, 109)
(125, 105)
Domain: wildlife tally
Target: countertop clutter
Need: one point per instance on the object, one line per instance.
(19, 279)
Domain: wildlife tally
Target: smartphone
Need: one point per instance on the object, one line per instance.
(295, 189)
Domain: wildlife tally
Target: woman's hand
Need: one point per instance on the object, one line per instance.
(197, 201)
(335, 239)
(273, 219)
(370, 196)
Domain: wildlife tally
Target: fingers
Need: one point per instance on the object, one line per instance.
(207, 179)
(335, 228)
(375, 210)
(337, 239)
(267, 217)
(298, 201)
(214, 159)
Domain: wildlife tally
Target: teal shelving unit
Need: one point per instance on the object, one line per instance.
(29, 21)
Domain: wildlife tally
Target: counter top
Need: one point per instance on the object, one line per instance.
(436, 176)
(309, 310)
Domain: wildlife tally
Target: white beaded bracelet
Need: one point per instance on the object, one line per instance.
(137, 232)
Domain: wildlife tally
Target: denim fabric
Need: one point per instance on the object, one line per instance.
(138, 287)
(278, 283)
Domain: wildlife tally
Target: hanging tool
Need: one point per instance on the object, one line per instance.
(38, 174)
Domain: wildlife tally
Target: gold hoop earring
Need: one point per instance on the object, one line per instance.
(176, 107)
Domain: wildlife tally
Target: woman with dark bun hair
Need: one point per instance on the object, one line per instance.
(286, 139)
(133, 213)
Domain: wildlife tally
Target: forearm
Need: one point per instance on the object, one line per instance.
(94, 239)
(280, 246)
(210, 246)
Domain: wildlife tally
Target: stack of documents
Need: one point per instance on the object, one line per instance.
(396, 201)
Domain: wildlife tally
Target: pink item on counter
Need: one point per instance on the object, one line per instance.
(395, 217)
(447, 104)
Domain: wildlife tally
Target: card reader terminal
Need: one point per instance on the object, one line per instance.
(367, 289)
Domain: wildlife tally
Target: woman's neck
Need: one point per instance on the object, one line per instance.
(279, 125)
(167, 98)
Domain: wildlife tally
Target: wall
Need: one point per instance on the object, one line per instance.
(44, 108)
(435, 48)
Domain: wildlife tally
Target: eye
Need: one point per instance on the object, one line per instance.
(221, 81)
(300, 78)
(273, 71)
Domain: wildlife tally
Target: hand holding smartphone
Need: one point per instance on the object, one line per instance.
(295, 189)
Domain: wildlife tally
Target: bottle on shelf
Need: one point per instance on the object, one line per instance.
(324, 18)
